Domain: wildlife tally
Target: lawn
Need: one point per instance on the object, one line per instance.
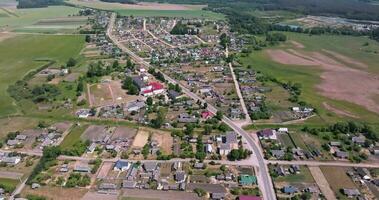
(27, 17)
(73, 137)
(19, 55)
(304, 176)
(8, 184)
(309, 76)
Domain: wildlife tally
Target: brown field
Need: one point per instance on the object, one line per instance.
(16, 124)
(109, 93)
(297, 44)
(56, 192)
(339, 81)
(165, 140)
(124, 132)
(337, 178)
(4, 36)
(141, 138)
(94, 132)
(104, 169)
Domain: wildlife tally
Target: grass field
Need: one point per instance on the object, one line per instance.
(27, 17)
(9, 184)
(18, 55)
(73, 136)
(309, 76)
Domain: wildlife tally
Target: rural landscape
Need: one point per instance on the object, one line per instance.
(189, 99)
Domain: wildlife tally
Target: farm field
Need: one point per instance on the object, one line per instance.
(21, 18)
(34, 47)
(59, 193)
(354, 60)
(151, 9)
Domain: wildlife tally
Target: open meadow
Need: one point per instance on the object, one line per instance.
(330, 70)
(20, 55)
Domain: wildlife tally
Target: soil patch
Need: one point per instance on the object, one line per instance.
(338, 80)
(297, 44)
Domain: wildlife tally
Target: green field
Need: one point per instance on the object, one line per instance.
(309, 76)
(172, 13)
(19, 54)
(27, 17)
(8, 184)
(73, 137)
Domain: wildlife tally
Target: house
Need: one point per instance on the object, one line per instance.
(335, 143)
(230, 138)
(172, 94)
(267, 134)
(135, 106)
(278, 154)
(82, 168)
(364, 173)
(12, 143)
(91, 148)
(279, 170)
(107, 186)
(217, 195)
(129, 184)
(14, 160)
(247, 180)
(199, 165)
(83, 113)
(245, 197)
(295, 169)
(224, 149)
(35, 185)
(289, 189)
(208, 148)
(21, 137)
(186, 118)
(283, 130)
(150, 166)
(180, 176)
(341, 154)
(351, 192)
(206, 115)
(141, 85)
(358, 140)
(121, 166)
(156, 88)
(375, 150)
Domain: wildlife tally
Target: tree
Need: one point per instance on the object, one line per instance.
(149, 101)
(88, 38)
(219, 115)
(189, 129)
(71, 62)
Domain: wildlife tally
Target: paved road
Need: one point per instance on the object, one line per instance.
(264, 179)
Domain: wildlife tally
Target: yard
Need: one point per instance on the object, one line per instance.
(9, 184)
(304, 176)
(73, 137)
(337, 179)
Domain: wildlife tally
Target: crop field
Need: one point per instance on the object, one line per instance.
(152, 9)
(19, 55)
(55, 25)
(327, 67)
(27, 17)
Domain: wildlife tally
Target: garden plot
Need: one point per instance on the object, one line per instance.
(94, 133)
(164, 140)
(338, 179)
(122, 132)
(141, 138)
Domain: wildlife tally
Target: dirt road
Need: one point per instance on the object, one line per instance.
(322, 183)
